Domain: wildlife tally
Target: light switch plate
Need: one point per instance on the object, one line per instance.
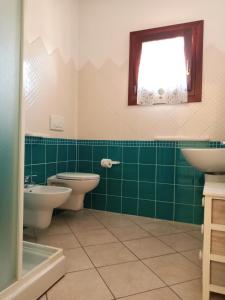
(57, 123)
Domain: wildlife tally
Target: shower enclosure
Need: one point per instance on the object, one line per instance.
(26, 269)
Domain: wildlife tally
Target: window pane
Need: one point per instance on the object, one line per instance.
(162, 72)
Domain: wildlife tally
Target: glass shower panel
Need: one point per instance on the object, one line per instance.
(10, 28)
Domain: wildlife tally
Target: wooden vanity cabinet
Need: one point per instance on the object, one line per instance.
(213, 254)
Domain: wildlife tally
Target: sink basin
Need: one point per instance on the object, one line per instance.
(207, 160)
(39, 202)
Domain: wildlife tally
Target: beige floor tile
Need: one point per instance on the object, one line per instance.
(148, 247)
(191, 290)
(114, 220)
(160, 228)
(43, 297)
(57, 226)
(139, 220)
(185, 227)
(83, 285)
(129, 232)
(173, 268)
(129, 278)
(193, 255)
(65, 241)
(159, 294)
(196, 234)
(76, 260)
(109, 254)
(95, 237)
(84, 223)
(181, 242)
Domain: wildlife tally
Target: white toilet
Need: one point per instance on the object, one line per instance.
(80, 183)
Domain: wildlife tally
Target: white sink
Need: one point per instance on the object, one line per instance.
(39, 202)
(208, 160)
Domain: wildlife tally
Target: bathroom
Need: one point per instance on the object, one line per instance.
(136, 233)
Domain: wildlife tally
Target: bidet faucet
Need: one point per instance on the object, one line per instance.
(28, 180)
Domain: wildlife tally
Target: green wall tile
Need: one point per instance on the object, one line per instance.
(199, 178)
(99, 152)
(164, 210)
(99, 170)
(130, 155)
(184, 213)
(147, 190)
(133, 179)
(98, 201)
(50, 169)
(130, 189)
(198, 215)
(51, 153)
(72, 166)
(27, 157)
(114, 204)
(85, 152)
(198, 196)
(115, 153)
(88, 201)
(165, 156)
(62, 153)
(85, 166)
(165, 174)
(101, 187)
(147, 155)
(185, 175)
(184, 194)
(147, 173)
(165, 192)
(38, 154)
(129, 206)
(39, 170)
(72, 152)
(146, 208)
(115, 172)
(130, 171)
(27, 170)
(62, 167)
(114, 187)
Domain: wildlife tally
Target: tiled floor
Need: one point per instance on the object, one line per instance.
(113, 256)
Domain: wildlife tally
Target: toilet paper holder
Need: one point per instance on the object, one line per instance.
(108, 163)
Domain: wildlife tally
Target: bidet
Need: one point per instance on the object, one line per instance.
(39, 202)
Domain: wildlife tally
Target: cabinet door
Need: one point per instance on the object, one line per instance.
(218, 211)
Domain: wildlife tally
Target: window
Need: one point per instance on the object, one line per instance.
(166, 65)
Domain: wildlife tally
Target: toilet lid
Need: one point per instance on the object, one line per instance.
(77, 175)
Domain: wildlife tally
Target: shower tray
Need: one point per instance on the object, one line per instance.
(42, 267)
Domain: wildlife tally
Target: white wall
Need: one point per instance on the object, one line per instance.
(103, 76)
(56, 69)
(50, 65)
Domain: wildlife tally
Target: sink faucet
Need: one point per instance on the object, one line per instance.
(28, 180)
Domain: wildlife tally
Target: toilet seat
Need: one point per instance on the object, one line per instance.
(77, 176)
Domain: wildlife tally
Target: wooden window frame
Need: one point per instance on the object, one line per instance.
(193, 35)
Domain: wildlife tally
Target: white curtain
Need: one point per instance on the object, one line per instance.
(162, 73)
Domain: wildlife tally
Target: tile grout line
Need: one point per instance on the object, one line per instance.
(92, 262)
(138, 259)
